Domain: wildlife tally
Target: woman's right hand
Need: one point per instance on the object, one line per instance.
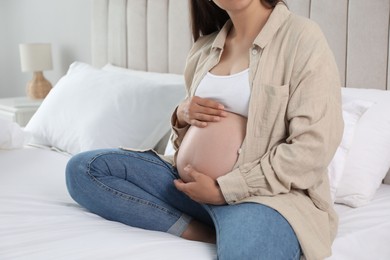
(199, 111)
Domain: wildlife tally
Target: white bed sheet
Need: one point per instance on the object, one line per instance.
(39, 220)
(364, 232)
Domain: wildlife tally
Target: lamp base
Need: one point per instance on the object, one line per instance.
(38, 87)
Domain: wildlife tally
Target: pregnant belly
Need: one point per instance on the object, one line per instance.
(212, 150)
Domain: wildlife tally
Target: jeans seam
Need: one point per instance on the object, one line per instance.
(125, 153)
(297, 254)
(122, 194)
(216, 224)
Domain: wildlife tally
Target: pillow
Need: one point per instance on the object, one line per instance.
(155, 76)
(169, 150)
(352, 111)
(368, 158)
(12, 135)
(91, 108)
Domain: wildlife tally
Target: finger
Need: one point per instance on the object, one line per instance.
(179, 180)
(201, 113)
(210, 111)
(192, 173)
(203, 122)
(184, 187)
(192, 117)
(198, 123)
(206, 102)
(179, 184)
(207, 106)
(207, 117)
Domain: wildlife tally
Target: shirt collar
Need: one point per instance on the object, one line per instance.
(276, 19)
(219, 41)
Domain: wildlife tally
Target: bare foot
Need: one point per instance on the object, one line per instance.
(199, 232)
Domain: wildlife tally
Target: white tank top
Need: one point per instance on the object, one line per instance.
(233, 91)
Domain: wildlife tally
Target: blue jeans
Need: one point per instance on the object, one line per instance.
(136, 188)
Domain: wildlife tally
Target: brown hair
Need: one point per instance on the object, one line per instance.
(207, 17)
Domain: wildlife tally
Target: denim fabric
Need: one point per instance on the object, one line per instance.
(136, 188)
(253, 231)
(133, 188)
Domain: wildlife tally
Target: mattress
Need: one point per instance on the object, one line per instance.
(39, 220)
(364, 232)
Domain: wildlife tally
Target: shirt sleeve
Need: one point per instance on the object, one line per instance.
(315, 128)
(178, 132)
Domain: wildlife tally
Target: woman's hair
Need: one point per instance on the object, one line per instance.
(207, 17)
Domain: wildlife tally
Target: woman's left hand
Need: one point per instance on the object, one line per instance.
(202, 189)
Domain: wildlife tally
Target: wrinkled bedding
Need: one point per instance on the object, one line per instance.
(39, 220)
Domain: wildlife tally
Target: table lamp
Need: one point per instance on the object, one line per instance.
(36, 57)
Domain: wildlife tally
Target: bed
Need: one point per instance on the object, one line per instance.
(131, 73)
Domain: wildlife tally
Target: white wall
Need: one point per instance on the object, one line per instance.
(63, 23)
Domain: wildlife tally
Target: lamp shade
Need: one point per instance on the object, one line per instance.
(35, 56)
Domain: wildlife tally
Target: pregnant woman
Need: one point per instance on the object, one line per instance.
(253, 138)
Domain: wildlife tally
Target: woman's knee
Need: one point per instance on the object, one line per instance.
(76, 166)
(254, 231)
(77, 169)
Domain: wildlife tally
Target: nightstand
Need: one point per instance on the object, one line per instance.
(18, 109)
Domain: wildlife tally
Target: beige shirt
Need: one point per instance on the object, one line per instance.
(294, 125)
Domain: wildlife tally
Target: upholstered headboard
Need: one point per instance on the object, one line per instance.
(154, 35)
(358, 33)
(149, 35)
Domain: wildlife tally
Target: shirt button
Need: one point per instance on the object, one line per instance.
(254, 52)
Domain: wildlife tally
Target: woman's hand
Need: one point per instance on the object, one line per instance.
(202, 189)
(199, 111)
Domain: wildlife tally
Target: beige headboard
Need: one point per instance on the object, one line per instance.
(149, 35)
(154, 35)
(358, 33)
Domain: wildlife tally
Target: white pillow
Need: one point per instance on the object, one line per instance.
(12, 135)
(368, 158)
(352, 111)
(155, 76)
(91, 108)
(169, 150)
